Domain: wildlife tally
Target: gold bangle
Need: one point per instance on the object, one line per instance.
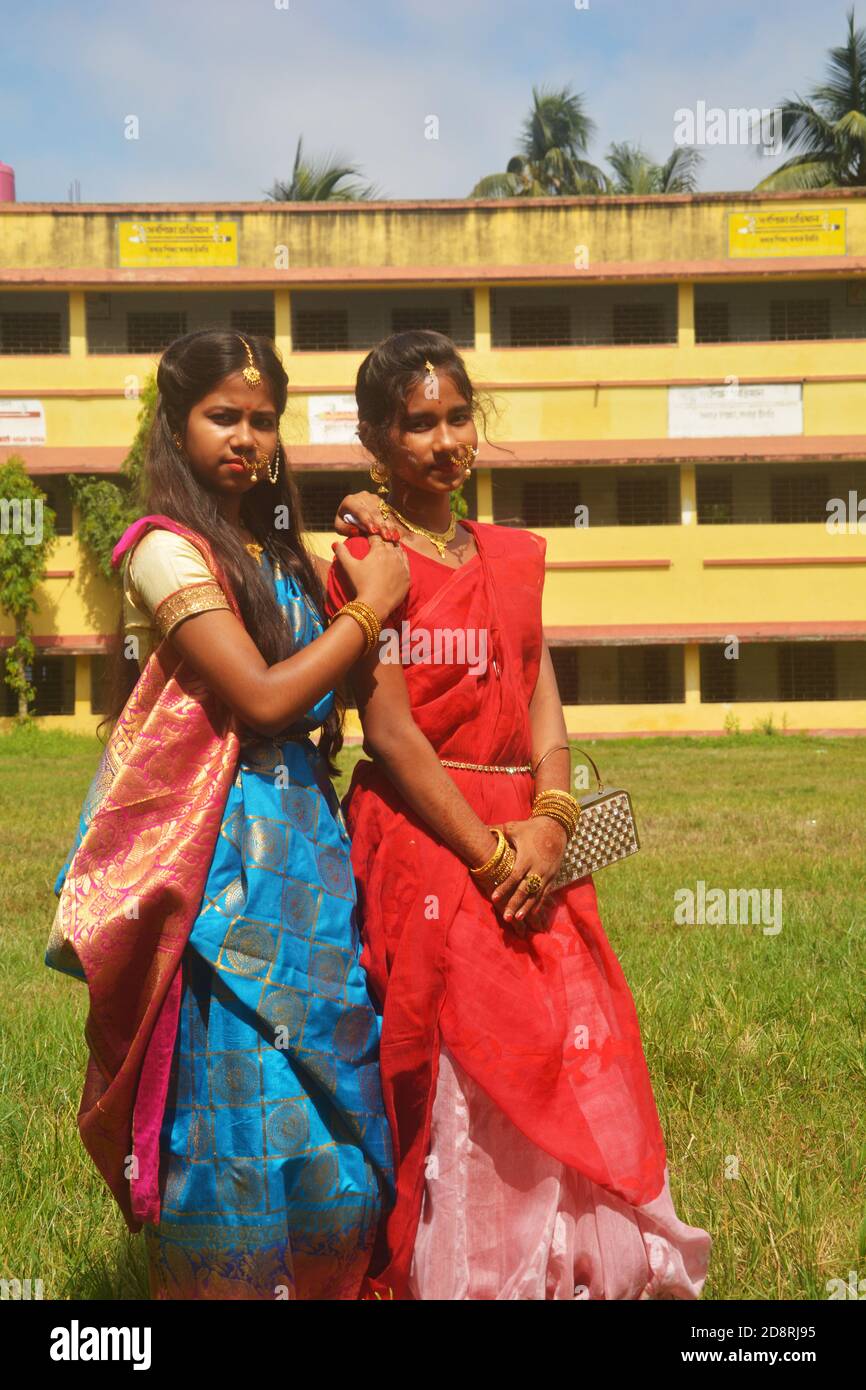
(564, 807)
(490, 864)
(358, 605)
(365, 617)
(359, 609)
(566, 803)
(506, 868)
(556, 794)
(559, 806)
(568, 826)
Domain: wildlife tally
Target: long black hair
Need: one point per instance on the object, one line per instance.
(191, 368)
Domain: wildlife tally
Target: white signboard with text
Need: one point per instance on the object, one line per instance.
(332, 419)
(712, 412)
(21, 422)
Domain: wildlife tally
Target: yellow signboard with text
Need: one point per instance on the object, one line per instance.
(182, 243)
(805, 231)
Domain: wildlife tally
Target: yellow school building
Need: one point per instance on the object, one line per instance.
(679, 396)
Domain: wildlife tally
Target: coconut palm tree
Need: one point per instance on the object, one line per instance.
(637, 173)
(321, 181)
(551, 159)
(830, 130)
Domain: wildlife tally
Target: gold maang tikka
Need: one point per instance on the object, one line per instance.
(431, 379)
(251, 374)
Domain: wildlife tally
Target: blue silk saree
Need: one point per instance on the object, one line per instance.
(274, 1151)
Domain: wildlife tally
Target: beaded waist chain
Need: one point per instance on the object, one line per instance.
(485, 767)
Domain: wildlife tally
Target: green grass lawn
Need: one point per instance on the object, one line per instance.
(755, 1042)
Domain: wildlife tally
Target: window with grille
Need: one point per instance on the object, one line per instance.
(321, 330)
(799, 318)
(549, 503)
(322, 494)
(718, 675)
(712, 321)
(99, 676)
(638, 323)
(645, 676)
(715, 496)
(54, 680)
(59, 498)
(799, 496)
(540, 325)
(153, 331)
(258, 322)
(405, 319)
(632, 675)
(642, 499)
(31, 332)
(567, 670)
(807, 671)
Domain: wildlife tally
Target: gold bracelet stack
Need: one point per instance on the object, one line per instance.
(500, 864)
(366, 618)
(559, 806)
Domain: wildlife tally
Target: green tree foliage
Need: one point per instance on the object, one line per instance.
(830, 129)
(106, 508)
(22, 566)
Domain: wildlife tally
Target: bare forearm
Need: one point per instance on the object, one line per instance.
(267, 698)
(413, 767)
(295, 685)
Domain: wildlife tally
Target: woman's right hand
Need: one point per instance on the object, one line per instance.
(380, 578)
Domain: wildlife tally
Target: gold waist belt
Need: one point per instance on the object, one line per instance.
(485, 767)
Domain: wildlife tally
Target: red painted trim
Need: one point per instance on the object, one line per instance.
(556, 453)
(608, 564)
(783, 268)
(68, 645)
(509, 384)
(762, 562)
(851, 630)
(584, 736)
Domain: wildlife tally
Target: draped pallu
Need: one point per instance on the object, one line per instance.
(129, 893)
(546, 1026)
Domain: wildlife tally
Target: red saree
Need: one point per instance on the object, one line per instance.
(440, 965)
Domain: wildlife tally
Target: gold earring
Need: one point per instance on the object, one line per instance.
(178, 442)
(379, 474)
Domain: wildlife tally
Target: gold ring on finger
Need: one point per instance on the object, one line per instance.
(533, 883)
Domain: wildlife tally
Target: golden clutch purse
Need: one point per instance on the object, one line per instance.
(606, 832)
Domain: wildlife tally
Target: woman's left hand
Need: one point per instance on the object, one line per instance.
(540, 844)
(364, 506)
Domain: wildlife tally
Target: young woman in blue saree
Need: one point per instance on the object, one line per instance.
(232, 1099)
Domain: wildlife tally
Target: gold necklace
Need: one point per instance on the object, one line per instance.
(253, 548)
(438, 538)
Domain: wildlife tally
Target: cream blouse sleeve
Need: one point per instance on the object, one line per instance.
(169, 580)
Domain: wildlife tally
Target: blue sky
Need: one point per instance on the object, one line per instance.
(223, 90)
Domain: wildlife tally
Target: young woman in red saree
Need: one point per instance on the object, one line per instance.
(529, 1157)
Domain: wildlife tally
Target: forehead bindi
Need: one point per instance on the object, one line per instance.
(233, 393)
(417, 403)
